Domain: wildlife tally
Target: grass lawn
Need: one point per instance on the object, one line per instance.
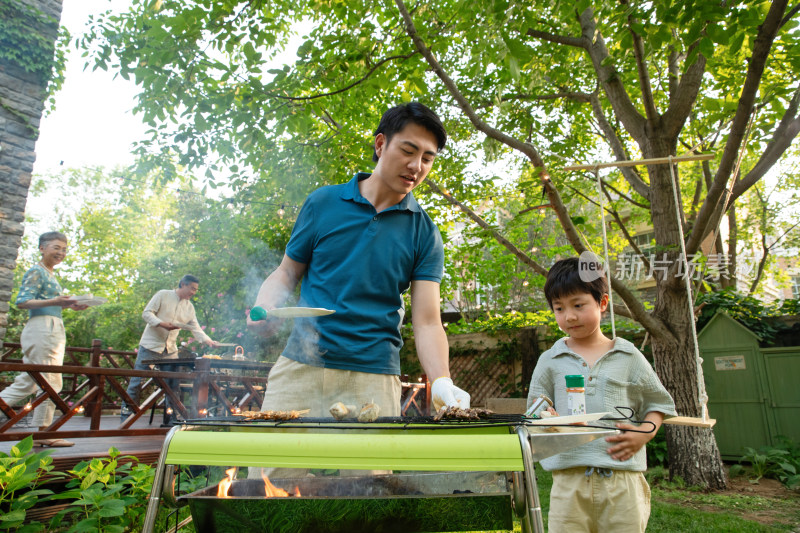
(742, 508)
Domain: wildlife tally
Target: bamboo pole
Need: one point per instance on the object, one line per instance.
(653, 161)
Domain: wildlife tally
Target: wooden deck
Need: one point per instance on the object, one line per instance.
(144, 447)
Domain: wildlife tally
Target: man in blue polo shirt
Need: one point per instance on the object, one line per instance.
(356, 248)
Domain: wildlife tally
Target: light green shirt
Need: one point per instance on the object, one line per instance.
(38, 283)
(621, 377)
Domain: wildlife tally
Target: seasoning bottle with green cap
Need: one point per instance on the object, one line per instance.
(576, 395)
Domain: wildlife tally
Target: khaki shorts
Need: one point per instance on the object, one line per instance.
(295, 386)
(598, 504)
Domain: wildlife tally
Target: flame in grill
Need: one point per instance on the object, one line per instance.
(225, 485)
(270, 490)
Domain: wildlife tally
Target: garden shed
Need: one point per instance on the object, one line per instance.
(753, 391)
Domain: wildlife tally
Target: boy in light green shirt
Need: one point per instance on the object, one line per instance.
(599, 486)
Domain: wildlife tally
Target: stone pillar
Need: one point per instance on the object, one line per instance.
(22, 96)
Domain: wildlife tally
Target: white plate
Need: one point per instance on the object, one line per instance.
(569, 419)
(88, 299)
(296, 312)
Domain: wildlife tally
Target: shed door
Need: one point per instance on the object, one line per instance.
(736, 399)
(783, 376)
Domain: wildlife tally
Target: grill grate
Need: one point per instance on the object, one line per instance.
(400, 422)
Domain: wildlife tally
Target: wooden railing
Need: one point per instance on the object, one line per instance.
(96, 384)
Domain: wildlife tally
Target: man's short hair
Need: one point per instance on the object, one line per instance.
(396, 118)
(563, 279)
(45, 238)
(187, 279)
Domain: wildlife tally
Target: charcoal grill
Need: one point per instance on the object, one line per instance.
(448, 476)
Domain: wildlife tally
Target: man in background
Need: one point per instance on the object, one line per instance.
(167, 312)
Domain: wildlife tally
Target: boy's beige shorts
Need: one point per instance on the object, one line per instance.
(597, 503)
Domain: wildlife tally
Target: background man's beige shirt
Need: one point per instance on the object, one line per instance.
(166, 306)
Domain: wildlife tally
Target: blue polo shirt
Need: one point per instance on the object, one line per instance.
(359, 263)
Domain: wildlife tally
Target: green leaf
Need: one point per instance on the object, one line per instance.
(717, 33)
(13, 516)
(85, 525)
(513, 66)
(112, 508)
(706, 48)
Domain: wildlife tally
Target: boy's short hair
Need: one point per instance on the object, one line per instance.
(563, 279)
(396, 118)
(46, 238)
(187, 279)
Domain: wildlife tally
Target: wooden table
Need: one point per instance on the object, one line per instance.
(209, 373)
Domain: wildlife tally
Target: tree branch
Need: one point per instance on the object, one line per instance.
(673, 71)
(789, 14)
(569, 95)
(624, 229)
(613, 140)
(577, 42)
(767, 32)
(625, 196)
(624, 109)
(698, 192)
(782, 138)
(761, 264)
(644, 76)
(522, 256)
(346, 88)
(684, 97)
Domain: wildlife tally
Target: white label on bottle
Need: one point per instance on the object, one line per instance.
(576, 403)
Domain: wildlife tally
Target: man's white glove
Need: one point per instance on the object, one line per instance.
(443, 392)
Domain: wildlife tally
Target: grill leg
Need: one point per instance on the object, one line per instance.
(534, 515)
(158, 482)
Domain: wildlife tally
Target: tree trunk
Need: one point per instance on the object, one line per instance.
(693, 452)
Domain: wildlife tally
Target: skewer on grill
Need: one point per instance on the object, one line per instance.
(461, 414)
(273, 415)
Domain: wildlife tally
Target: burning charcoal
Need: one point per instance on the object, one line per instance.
(369, 413)
(341, 411)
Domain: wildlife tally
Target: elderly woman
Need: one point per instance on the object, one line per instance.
(43, 339)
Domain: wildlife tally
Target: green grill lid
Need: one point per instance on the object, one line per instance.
(401, 450)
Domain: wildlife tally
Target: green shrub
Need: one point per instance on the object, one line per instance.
(21, 475)
(109, 497)
(781, 462)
